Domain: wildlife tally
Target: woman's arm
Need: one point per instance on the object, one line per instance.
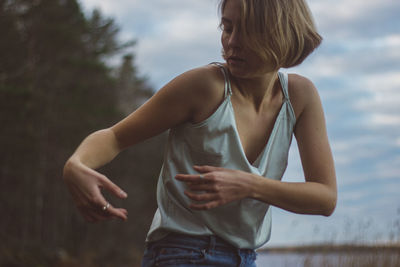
(179, 101)
(317, 195)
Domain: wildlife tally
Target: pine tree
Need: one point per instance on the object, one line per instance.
(133, 90)
(55, 88)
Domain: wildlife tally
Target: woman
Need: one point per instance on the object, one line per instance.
(231, 128)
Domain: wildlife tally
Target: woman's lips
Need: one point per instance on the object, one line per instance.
(235, 60)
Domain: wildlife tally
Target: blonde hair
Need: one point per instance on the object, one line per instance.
(281, 32)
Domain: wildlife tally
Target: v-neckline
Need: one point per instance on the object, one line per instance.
(271, 135)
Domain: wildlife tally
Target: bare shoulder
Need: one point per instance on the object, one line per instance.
(203, 81)
(202, 88)
(190, 97)
(302, 93)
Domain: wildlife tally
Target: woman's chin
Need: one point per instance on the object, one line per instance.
(237, 69)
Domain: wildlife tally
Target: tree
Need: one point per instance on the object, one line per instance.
(132, 89)
(55, 88)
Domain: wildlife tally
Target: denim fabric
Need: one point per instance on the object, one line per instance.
(178, 250)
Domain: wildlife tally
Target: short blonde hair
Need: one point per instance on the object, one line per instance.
(281, 32)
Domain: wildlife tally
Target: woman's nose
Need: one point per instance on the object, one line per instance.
(234, 39)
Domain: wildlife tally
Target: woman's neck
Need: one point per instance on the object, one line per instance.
(258, 90)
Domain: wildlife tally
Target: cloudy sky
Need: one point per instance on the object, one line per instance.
(357, 72)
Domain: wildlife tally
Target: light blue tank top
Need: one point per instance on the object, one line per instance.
(216, 142)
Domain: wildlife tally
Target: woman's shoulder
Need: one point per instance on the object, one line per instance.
(203, 87)
(300, 85)
(204, 80)
(302, 92)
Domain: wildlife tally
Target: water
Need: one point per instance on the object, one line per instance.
(320, 259)
(280, 259)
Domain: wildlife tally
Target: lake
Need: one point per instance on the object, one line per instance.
(334, 259)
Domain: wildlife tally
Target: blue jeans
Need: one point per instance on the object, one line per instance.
(179, 250)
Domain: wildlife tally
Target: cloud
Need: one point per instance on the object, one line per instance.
(382, 119)
(357, 18)
(354, 57)
(181, 45)
(173, 35)
(383, 86)
(154, 16)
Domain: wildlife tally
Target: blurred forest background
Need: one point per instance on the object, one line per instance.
(56, 88)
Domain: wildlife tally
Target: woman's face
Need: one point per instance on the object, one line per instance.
(242, 62)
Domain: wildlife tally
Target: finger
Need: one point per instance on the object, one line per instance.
(201, 197)
(111, 211)
(202, 187)
(122, 213)
(193, 178)
(91, 203)
(113, 188)
(206, 168)
(108, 211)
(94, 212)
(103, 207)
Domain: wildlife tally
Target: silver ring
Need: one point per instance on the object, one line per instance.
(201, 176)
(106, 206)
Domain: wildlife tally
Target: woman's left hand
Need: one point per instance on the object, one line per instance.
(215, 186)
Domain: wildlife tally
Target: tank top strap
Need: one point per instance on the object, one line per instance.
(283, 78)
(228, 89)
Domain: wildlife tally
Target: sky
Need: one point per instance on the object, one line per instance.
(357, 73)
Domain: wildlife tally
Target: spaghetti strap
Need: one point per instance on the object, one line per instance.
(283, 77)
(228, 89)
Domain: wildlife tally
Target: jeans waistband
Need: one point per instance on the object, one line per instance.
(204, 242)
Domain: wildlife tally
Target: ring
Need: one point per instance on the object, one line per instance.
(201, 176)
(106, 206)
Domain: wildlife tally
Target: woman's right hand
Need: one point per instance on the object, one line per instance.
(85, 186)
(191, 97)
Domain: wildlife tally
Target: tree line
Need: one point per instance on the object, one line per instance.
(55, 89)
